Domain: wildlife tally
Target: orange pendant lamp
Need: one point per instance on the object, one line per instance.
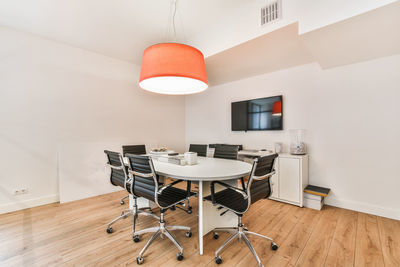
(173, 68)
(277, 108)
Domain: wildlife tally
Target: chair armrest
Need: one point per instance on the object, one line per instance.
(167, 186)
(115, 167)
(212, 187)
(264, 176)
(147, 175)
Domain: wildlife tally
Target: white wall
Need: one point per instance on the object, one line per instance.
(350, 113)
(60, 107)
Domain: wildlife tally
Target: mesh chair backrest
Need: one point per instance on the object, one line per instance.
(117, 177)
(142, 186)
(134, 149)
(260, 189)
(226, 151)
(201, 150)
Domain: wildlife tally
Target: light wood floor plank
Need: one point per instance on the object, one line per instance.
(40, 239)
(73, 234)
(389, 231)
(317, 247)
(341, 252)
(290, 250)
(368, 246)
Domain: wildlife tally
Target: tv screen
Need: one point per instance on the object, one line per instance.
(257, 114)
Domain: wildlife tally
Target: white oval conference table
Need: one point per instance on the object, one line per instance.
(204, 172)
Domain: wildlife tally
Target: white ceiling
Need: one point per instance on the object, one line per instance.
(277, 50)
(367, 36)
(364, 37)
(116, 28)
(124, 28)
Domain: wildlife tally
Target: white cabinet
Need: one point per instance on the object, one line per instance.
(290, 179)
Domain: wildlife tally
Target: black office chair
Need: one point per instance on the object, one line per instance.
(132, 149)
(214, 145)
(119, 177)
(201, 150)
(239, 200)
(146, 184)
(226, 151)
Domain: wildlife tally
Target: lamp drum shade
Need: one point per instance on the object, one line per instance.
(173, 68)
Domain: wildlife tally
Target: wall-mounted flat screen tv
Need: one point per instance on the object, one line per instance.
(259, 114)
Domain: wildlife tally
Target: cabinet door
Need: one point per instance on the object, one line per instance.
(275, 181)
(289, 179)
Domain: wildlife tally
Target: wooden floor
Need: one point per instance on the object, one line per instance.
(73, 234)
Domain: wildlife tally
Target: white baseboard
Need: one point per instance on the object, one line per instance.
(364, 207)
(29, 203)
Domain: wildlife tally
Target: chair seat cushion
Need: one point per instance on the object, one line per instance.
(230, 199)
(172, 195)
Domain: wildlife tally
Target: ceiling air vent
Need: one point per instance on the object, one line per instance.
(271, 12)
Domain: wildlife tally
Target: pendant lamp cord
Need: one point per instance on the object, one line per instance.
(173, 20)
(173, 13)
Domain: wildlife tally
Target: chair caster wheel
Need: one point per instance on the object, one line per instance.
(274, 246)
(109, 230)
(139, 260)
(188, 234)
(136, 238)
(216, 235)
(218, 260)
(173, 208)
(179, 256)
(189, 211)
(122, 202)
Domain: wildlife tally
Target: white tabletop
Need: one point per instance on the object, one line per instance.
(207, 169)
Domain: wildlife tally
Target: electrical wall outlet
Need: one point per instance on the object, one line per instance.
(20, 191)
(24, 191)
